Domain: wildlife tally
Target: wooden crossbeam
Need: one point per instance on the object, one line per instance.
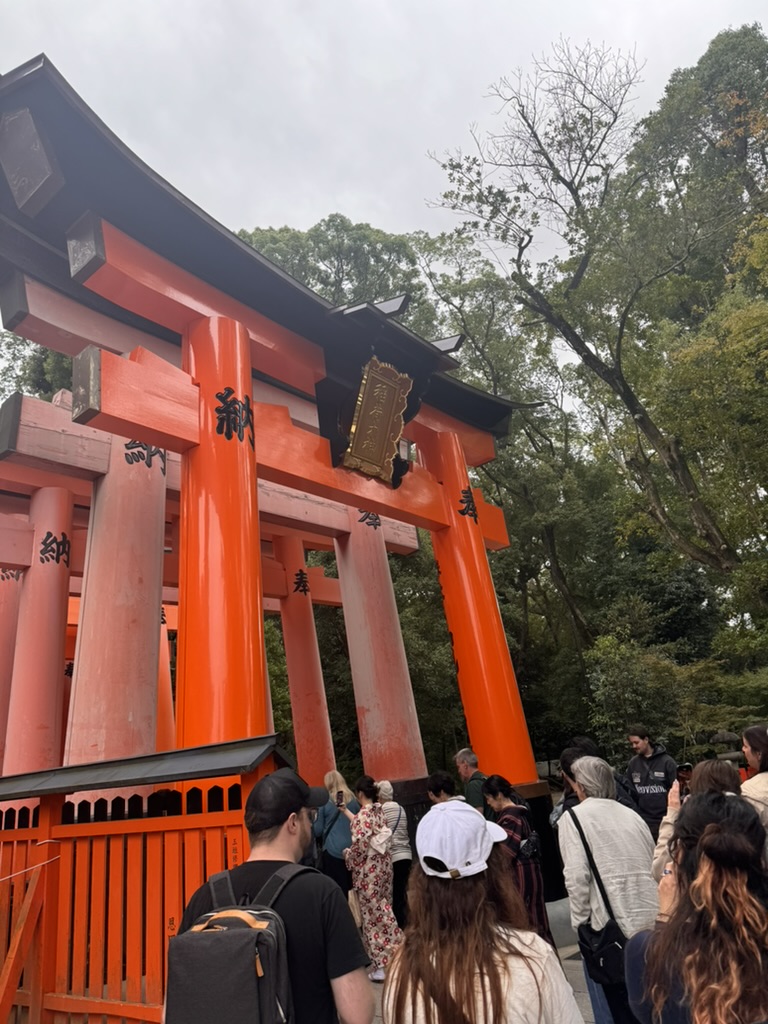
(124, 397)
(58, 322)
(44, 446)
(120, 269)
(117, 395)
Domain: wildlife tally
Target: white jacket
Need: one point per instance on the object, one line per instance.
(535, 989)
(755, 792)
(622, 848)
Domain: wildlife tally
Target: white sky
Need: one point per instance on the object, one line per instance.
(271, 112)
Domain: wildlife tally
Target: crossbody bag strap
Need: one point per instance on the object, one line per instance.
(328, 828)
(592, 865)
(399, 815)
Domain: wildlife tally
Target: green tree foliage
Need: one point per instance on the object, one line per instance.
(567, 160)
(348, 263)
(31, 369)
(683, 705)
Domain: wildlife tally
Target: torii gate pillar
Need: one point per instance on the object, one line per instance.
(113, 706)
(35, 712)
(487, 683)
(390, 737)
(10, 594)
(309, 707)
(222, 674)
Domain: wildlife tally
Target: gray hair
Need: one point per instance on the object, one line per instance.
(466, 756)
(386, 792)
(595, 776)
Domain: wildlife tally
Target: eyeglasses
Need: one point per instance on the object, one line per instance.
(312, 814)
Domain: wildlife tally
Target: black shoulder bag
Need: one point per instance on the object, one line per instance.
(603, 949)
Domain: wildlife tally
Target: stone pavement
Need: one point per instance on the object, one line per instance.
(565, 939)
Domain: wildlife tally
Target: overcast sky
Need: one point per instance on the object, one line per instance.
(271, 112)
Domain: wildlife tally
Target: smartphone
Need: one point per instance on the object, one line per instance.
(340, 798)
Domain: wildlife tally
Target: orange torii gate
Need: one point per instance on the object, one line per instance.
(187, 340)
(127, 487)
(225, 314)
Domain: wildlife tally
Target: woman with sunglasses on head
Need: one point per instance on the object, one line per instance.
(706, 961)
(468, 955)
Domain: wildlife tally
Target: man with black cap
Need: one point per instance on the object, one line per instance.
(326, 959)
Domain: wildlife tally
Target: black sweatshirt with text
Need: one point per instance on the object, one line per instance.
(651, 778)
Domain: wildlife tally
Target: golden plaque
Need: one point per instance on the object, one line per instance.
(378, 421)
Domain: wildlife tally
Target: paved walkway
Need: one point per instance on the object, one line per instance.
(565, 939)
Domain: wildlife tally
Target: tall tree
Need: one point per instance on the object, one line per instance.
(348, 263)
(563, 162)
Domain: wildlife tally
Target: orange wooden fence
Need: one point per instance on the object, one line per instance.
(86, 910)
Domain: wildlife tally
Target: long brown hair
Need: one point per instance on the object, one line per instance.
(715, 776)
(716, 940)
(454, 936)
(757, 738)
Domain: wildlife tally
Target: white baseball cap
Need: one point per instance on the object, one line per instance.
(459, 837)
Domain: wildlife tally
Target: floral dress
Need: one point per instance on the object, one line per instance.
(372, 881)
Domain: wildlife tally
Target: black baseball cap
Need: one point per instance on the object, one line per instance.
(277, 796)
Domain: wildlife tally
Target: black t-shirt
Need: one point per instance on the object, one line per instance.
(323, 941)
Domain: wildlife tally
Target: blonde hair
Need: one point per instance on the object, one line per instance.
(333, 782)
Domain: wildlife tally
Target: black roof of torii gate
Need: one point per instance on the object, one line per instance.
(92, 169)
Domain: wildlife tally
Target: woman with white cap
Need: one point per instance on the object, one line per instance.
(468, 956)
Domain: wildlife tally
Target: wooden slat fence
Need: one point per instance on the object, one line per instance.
(114, 895)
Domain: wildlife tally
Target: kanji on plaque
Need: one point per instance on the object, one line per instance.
(233, 416)
(55, 549)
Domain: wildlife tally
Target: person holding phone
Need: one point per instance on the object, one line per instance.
(332, 832)
(710, 776)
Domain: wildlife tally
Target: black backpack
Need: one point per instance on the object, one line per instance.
(232, 964)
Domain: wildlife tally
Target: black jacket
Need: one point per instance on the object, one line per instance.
(651, 778)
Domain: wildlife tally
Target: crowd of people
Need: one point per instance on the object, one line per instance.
(664, 866)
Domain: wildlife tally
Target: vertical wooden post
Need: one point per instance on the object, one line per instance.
(113, 706)
(489, 693)
(166, 726)
(35, 711)
(43, 966)
(10, 594)
(309, 707)
(221, 673)
(386, 712)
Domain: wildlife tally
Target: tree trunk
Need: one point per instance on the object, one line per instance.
(581, 629)
(716, 550)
